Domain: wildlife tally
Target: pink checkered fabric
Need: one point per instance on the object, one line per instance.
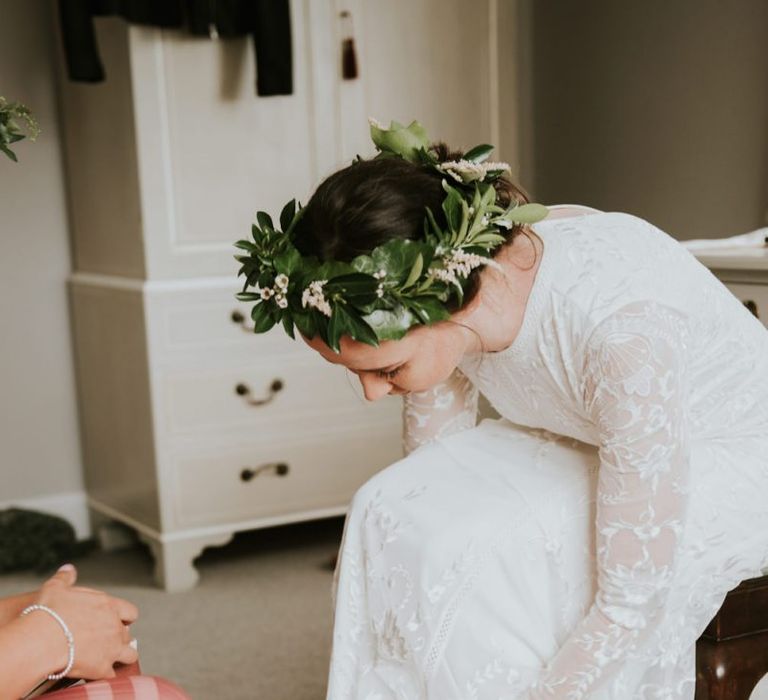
(126, 688)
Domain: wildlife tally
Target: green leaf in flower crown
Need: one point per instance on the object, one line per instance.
(401, 140)
(336, 327)
(391, 324)
(396, 258)
(428, 309)
(526, 214)
(452, 206)
(354, 326)
(415, 273)
(246, 245)
(288, 261)
(296, 218)
(461, 234)
(305, 322)
(487, 240)
(288, 326)
(358, 286)
(436, 232)
(332, 268)
(256, 233)
(479, 153)
(265, 220)
(426, 157)
(287, 214)
(262, 318)
(248, 296)
(364, 264)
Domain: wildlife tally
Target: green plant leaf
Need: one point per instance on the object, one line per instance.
(396, 258)
(415, 272)
(296, 218)
(487, 239)
(429, 309)
(452, 207)
(248, 296)
(337, 327)
(288, 326)
(288, 261)
(401, 140)
(262, 318)
(391, 324)
(265, 220)
(526, 214)
(479, 153)
(355, 327)
(363, 263)
(305, 322)
(287, 214)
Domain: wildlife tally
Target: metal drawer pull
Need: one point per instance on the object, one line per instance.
(238, 318)
(274, 388)
(279, 468)
(752, 306)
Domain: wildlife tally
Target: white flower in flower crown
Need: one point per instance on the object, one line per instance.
(468, 171)
(266, 293)
(313, 297)
(461, 264)
(281, 281)
(281, 301)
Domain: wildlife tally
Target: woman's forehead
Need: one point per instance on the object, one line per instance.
(359, 356)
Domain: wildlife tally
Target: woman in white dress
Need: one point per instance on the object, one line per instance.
(577, 547)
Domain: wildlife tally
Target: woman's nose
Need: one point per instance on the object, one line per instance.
(374, 387)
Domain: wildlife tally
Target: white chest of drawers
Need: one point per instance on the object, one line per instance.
(744, 270)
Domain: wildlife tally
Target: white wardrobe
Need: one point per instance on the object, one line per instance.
(192, 427)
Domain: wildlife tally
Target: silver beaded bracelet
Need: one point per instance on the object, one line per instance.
(67, 634)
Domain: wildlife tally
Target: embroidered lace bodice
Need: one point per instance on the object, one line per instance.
(629, 344)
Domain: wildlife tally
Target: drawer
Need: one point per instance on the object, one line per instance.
(755, 295)
(209, 486)
(225, 401)
(206, 324)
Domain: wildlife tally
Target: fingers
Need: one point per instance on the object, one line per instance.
(127, 611)
(66, 575)
(128, 655)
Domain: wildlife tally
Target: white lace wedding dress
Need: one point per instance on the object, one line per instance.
(577, 547)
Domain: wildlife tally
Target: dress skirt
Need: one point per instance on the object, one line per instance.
(465, 566)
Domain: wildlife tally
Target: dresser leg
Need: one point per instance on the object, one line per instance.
(111, 534)
(174, 559)
(730, 669)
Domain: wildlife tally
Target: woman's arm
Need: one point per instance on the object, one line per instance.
(446, 408)
(636, 391)
(11, 607)
(33, 646)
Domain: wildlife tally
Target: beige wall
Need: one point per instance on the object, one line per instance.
(656, 108)
(40, 451)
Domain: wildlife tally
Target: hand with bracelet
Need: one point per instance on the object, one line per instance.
(62, 628)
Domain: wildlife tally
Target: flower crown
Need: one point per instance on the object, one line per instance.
(401, 283)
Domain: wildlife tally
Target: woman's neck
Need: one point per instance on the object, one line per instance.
(496, 314)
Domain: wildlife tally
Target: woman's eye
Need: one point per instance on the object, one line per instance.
(390, 374)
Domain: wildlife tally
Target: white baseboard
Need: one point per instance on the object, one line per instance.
(70, 506)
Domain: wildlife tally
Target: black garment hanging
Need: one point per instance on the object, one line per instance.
(268, 21)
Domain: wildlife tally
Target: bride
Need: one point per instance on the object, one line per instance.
(577, 546)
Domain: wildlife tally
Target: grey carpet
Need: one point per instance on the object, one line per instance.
(257, 626)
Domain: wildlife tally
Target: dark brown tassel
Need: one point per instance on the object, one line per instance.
(348, 53)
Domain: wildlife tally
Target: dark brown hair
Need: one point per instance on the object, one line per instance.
(372, 201)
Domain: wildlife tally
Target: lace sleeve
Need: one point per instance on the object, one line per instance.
(635, 386)
(446, 408)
